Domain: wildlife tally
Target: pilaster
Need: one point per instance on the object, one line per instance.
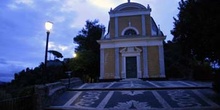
(143, 25)
(102, 64)
(161, 59)
(116, 26)
(145, 63)
(117, 63)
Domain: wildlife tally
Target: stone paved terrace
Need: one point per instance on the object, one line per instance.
(141, 95)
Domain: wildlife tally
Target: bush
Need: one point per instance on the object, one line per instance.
(202, 72)
(216, 82)
(4, 95)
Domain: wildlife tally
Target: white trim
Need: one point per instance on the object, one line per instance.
(133, 13)
(139, 72)
(145, 62)
(130, 27)
(131, 42)
(143, 22)
(102, 64)
(123, 72)
(130, 52)
(116, 26)
(161, 60)
(132, 5)
(117, 63)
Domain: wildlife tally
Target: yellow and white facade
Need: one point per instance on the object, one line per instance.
(133, 46)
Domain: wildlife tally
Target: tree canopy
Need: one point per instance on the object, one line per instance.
(88, 50)
(196, 29)
(55, 53)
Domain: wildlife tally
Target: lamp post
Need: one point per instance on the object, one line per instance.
(69, 75)
(48, 27)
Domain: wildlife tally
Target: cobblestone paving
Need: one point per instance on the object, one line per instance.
(139, 99)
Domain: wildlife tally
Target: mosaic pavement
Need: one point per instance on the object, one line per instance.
(140, 99)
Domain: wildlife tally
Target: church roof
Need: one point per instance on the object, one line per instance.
(130, 6)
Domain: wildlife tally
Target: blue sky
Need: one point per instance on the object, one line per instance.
(22, 32)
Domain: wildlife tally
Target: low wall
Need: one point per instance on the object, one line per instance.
(46, 94)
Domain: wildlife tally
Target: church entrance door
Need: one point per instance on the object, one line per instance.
(131, 67)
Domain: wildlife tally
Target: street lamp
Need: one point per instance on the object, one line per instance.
(74, 55)
(48, 27)
(69, 75)
(70, 72)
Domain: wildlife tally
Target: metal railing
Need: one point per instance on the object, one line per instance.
(20, 103)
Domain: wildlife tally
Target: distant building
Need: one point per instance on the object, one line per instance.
(133, 46)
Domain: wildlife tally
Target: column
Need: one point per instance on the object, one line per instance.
(138, 66)
(102, 64)
(143, 25)
(145, 62)
(116, 26)
(123, 75)
(161, 59)
(117, 63)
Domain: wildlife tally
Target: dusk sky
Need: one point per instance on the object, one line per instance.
(23, 36)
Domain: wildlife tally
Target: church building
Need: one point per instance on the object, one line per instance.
(133, 46)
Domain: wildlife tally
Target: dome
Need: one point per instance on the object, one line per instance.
(130, 7)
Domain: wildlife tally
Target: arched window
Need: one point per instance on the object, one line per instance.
(130, 32)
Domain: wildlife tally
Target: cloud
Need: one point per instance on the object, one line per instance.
(17, 4)
(12, 6)
(8, 67)
(72, 5)
(62, 47)
(26, 2)
(22, 39)
(105, 4)
(58, 47)
(2, 61)
(59, 19)
(66, 49)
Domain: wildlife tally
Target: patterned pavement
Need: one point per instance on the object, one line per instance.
(141, 95)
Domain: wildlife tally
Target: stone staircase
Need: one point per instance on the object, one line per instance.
(46, 94)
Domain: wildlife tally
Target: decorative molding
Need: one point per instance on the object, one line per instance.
(130, 5)
(131, 51)
(131, 42)
(133, 13)
(129, 27)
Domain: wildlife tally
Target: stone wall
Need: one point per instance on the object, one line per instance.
(46, 94)
(153, 62)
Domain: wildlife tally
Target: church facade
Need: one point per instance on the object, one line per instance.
(133, 46)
